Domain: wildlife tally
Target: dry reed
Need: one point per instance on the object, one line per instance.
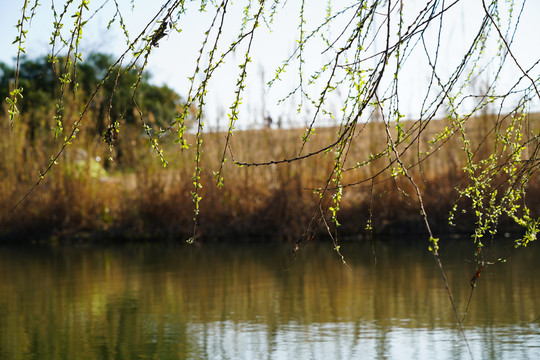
(135, 197)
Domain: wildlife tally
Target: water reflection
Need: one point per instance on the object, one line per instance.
(251, 302)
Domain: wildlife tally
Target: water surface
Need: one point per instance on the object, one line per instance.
(252, 301)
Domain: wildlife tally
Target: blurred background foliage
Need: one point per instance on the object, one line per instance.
(114, 102)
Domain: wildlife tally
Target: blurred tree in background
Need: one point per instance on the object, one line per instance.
(116, 99)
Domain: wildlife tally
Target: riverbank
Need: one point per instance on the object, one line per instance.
(88, 198)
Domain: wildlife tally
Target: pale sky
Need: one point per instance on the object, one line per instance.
(173, 62)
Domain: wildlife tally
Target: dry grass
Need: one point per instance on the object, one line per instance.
(137, 198)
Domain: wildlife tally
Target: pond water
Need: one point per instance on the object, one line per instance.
(254, 301)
